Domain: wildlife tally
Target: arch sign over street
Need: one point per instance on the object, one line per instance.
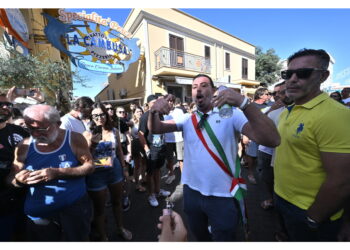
(109, 48)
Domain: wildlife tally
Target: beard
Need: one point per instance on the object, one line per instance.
(4, 117)
(47, 139)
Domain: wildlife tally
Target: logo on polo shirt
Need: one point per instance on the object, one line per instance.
(299, 130)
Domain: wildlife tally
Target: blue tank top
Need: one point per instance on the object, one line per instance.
(45, 199)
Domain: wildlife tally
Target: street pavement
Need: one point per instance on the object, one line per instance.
(142, 219)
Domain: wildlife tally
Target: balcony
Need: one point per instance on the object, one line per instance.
(171, 58)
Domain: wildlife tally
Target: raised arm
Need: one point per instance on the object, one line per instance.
(259, 128)
(155, 125)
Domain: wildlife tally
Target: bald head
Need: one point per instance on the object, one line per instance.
(41, 113)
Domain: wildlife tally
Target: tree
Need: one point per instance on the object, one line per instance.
(53, 78)
(267, 66)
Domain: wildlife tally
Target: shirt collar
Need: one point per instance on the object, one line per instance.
(315, 101)
(212, 111)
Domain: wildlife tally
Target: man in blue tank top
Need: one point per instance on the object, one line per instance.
(53, 164)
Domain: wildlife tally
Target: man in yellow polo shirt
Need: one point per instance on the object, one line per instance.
(312, 167)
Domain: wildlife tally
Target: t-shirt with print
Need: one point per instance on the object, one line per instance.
(10, 136)
(155, 142)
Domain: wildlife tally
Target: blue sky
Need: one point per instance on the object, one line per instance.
(285, 30)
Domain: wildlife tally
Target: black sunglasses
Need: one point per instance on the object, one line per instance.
(302, 73)
(109, 109)
(38, 130)
(95, 116)
(121, 112)
(8, 104)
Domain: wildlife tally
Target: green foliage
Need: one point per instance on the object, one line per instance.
(55, 79)
(267, 66)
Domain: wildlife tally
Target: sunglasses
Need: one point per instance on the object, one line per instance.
(109, 109)
(95, 116)
(7, 104)
(302, 73)
(121, 112)
(38, 130)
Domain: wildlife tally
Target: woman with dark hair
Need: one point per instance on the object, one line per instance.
(106, 149)
(137, 151)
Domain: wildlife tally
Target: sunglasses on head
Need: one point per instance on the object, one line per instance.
(302, 73)
(8, 104)
(95, 116)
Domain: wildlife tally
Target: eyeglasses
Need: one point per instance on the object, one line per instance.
(302, 73)
(38, 130)
(7, 104)
(95, 116)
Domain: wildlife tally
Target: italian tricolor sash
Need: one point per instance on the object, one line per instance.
(238, 187)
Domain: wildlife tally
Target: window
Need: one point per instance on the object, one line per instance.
(227, 61)
(176, 52)
(244, 68)
(207, 52)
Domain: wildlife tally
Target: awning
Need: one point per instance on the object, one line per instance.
(183, 80)
(228, 84)
(122, 102)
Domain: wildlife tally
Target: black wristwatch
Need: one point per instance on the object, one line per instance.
(311, 223)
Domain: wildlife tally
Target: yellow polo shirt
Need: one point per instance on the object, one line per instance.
(320, 125)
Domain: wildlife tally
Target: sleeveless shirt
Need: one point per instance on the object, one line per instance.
(47, 198)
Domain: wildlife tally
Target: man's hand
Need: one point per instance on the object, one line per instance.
(11, 94)
(228, 96)
(37, 95)
(172, 227)
(21, 177)
(161, 106)
(41, 176)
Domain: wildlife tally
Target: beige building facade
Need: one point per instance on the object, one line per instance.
(175, 47)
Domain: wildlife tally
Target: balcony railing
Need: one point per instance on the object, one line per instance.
(166, 57)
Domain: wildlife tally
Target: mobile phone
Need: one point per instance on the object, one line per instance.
(25, 92)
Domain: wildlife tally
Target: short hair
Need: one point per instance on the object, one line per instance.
(203, 75)
(259, 92)
(119, 107)
(320, 53)
(83, 102)
(280, 84)
(49, 113)
(177, 101)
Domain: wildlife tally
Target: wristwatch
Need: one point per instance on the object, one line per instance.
(311, 223)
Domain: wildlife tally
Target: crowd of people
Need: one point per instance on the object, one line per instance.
(57, 173)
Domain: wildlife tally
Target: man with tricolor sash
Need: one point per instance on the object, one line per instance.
(213, 187)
